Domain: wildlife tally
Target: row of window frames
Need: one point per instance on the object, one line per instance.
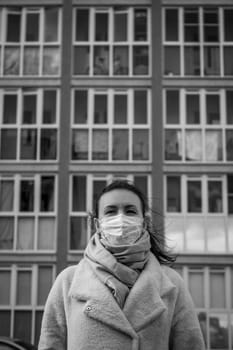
(212, 112)
(213, 194)
(193, 20)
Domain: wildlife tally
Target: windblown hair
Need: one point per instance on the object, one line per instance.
(158, 246)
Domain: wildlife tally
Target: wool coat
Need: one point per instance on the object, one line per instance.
(82, 314)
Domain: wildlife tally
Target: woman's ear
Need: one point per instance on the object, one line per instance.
(147, 221)
(96, 224)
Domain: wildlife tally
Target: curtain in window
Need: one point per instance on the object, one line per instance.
(6, 233)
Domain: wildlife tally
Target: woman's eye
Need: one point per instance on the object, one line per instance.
(131, 211)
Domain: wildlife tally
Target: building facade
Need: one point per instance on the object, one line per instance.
(91, 91)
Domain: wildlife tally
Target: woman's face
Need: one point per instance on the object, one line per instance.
(120, 201)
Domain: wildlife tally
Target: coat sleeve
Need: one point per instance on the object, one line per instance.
(185, 331)
(53, 328)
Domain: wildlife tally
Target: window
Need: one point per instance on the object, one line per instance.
(28, 124)
(84, 190)
(197, 213)
(111, 41)
(27, 212)
(198, 125)
(31, 46)
(192, 41)
(111, 125)
(23, 294)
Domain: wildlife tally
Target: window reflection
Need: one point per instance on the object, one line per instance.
(193, 145)
(80, 145)
(140, 145)
(140, 60)
(213, 145)
(173, 144)
(51, 61)
(120, 149)
(25, 237)
(120, 61)
(31, 61)
(100, 145)
(51, 25)
(101, 60)
(11, 61)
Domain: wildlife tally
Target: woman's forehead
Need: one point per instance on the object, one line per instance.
(119, 197)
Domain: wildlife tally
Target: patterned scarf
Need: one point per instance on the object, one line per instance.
(118, 267)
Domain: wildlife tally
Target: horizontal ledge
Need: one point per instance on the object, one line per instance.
(28, 168)
(112, 2)
(109, 168)
(111, 82)
(30, 2)
(197, 168)
(204, 259)
(15, 82)
(27, 258)
(197, 2)
(195, 82)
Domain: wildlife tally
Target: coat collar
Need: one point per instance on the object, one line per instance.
(143, 305)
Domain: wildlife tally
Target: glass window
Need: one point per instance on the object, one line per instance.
(82, 23)
(196, 287)
(29, 109)
(193, 145)
(191, 25)
(140, 107)
(5, 321)
(101, 60)
(140, 144)
(212, 109)
(5, 277)
(51, 25)
(6, 195)
(192, 109)
(230, 193)
(8, 143)
(173, 194)
(216, 235)
(121, 60)
(120, 109)
(47, 193)
(11, 61)
(80, 145)
(46, 233)
(228, 65)
(229, 106)
(22, 325)
(213, 145)
(79, 193)
(140, 25)
(80, 106)
(211, 25)
(78, 233)
(48, 144)
(28, 144)
(140, 60)
(100, 109)
(23, 295)
(194, 196)
(173, 144)
(13, 27)
(49, 106)
(51, 61)
(215, 196)
(26, 229)
(100, 145)
(101, 26)
(217, 290)
(172, 60)
(211, 60)
(31, 61)
(81, 60)
(192, 60)
(141, 183)
(120, 26)
(6, 232)
(229, 144)
(228, 24)
(120, 149)
(171, 20)
(27, 195)
(195, 234)
(172, 107)
(9, 109)
(44, 284)
(32, 27)
(218, 324)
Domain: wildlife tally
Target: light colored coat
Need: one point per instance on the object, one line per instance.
(82, 314)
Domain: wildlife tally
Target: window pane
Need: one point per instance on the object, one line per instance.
(196, 288)
(141, 183)
(38, 320)
(120, 149)
(140, 60)
(100, 145)
(173, 194)
(140, 145)
(49, 106)
(120, 109)
(29, 109)
(80, 106)
(195, 234)
(44, 284)
(217, 290)
(193, 145)
(140, 25)
(140, 107)
(5, 278)
(27, 195)
(191, 21)
(214, 149)
(230, 193)
(11, 61)
(219, 331)
(6, 195)
(48, 144)
(211, 60)
(23, 295)
(229, 106)
(82, 23)
(212, 109)
(5, 322)
(32, 27)
(211, 25)
(80, 144)
(8, 143)
(25, 237)
(51, 25)
(9, 109)
(171, 25)
(100, 109)
(47, 193)
(229, 144)
(194, 197)
(172, 107)
(28, 144)
(101, 60)
(46, 233)
(51, 61)
(13, 27)
(175, 234)
(22, 325)
(81, 60)
(78, 233)
(216, 235)
(31, 61)
(215, 204)
(228, 24)
(173, 145)
(79, 188)
(120, 26)
(101, 26)
(171, 60)
(98, 186)
(121, 60)
(228, 64)
(192, 60)
(192, 109)
(6, 232)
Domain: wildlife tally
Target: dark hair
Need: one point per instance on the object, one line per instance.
(158, 247)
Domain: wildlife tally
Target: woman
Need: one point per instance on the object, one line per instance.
(121, 295)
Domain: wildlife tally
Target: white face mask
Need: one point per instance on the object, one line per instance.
(121, 229)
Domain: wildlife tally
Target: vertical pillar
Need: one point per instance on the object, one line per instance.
(64, 139)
